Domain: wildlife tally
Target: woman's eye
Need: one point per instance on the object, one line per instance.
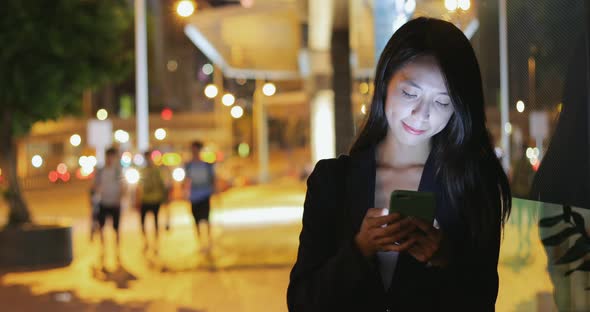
(408, 94)
(443, 104)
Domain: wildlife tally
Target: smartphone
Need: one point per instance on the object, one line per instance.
(413, 203)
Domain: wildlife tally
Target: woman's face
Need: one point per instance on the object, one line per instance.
(417, 106)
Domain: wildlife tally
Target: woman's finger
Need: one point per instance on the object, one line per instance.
(399, 248)
(380, 221)
(428, 228)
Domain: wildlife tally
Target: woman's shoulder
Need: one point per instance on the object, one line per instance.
(329, 169)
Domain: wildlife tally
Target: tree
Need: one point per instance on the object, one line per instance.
(52, 51)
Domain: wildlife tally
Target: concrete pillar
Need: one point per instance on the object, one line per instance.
(260, 121)
(341, 85)
(319, 82)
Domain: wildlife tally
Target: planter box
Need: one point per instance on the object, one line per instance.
(35, 246)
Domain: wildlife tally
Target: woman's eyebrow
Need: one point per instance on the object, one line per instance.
(414, 84)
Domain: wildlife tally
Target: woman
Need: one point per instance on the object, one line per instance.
(425, 131)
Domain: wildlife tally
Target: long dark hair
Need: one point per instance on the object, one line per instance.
(465, 161)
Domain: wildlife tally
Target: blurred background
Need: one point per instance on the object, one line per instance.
(270, 87)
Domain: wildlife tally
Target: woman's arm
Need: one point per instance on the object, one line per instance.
(329, 265)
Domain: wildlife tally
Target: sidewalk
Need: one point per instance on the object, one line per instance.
(255, 232)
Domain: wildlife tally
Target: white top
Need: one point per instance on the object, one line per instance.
(110, 186)
(387, 261)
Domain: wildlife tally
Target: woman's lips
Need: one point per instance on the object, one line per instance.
(412, 130)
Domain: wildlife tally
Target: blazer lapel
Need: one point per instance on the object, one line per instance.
(360, 186)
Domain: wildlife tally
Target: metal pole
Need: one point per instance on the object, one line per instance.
(141, 77)
(504, 117)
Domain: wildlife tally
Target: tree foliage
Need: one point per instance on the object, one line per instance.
(53, 50)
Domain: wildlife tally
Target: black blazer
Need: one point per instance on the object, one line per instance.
(332, 275)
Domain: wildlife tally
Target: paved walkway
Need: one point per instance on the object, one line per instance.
(255, 239)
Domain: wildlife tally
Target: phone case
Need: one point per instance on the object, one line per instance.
(413, 203)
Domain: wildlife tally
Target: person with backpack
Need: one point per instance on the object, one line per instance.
(199, 187)
(151, 193)
(109, 189)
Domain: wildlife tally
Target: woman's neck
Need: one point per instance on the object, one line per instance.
(392, 153)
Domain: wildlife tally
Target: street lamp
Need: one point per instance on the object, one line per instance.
(237, 112)
(37, 161)
(211, 91)
(451, 5)
(269, 89)
(228, 99)
(207, 69)
(160, 134)
(102, 114)
(185, 8)
(364, 88)
(75, 140)
(121, 136)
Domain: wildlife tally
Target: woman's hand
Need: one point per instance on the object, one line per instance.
(429, 245)
(380, 232)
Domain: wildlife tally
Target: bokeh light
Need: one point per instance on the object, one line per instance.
(451, 5)
(62, 168)
(269, 89)
(171, 159)
(121, 136)
(244, 150)
(102, 114)
(37, 161)
(75, 140)
(126, 159)
(132, 176)
(138, 160)
(207, 69)
(228, 99)
(211, 91)
(237, 112)
(185, 8)
(178, 174)
(160, 134)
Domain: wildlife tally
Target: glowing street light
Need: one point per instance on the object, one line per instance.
(237, 112)
(364, 88)
(75, 140)
(185, 8)
(160, 134)
(228, 99)
(102, 114)
(121, 136)
(37, 161)
(207, 69)
(132, 176)
(178, 174)
(211, 91)
(451, 5)
(269, 89)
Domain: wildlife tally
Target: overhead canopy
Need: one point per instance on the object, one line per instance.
(266, 41)
(262, 42)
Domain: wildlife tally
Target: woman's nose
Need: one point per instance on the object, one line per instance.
(422, 110)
